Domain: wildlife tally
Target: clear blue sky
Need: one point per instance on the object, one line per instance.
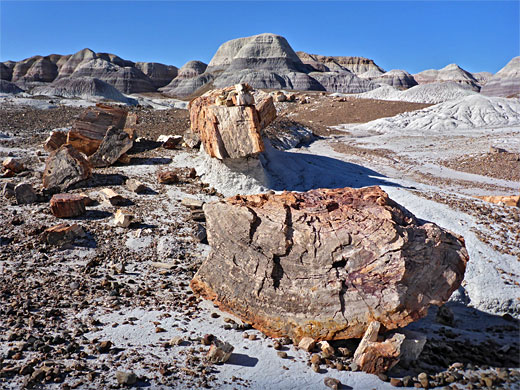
(410, 35)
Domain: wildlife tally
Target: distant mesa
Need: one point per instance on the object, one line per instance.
(506, 82)
(82, 87)
(265, 61)
(451, 72)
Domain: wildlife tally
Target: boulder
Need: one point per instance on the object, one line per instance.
(67, 205)
(506, 82)
(219, 352)
(64, 167)
(325, 263)
(115, 143)
(227, 130)
(13, 164)
(89, 130)
(63, 234)
(25, 194)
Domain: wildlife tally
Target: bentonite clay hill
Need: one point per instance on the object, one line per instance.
(326, 263)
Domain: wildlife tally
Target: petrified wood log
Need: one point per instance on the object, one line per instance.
(115, 143)
(90, 128)
(326, 263)
(228, 130)
(65, 166)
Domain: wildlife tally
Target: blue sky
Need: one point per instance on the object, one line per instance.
(410, 35)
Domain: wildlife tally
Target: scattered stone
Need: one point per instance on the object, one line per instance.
(67, 205)
(122, 219)
(25, 194)
(444, 316)
(89, 130)
(63, 234)
(315, 368)
(126, 378)
(326, 349)
(135, 186)
(115, 143)
(219, 352)
(200, 233)
(307, 344)
(104, 346)
(87, 200)
(332, 383)
(55, 140)
(315, 359)
(124, 159)
(377, 357)
(13, 164)
(192, 203)
(280, 235)
(167, 177)
(192, 174)
(176, 341)
(191, 139)
(226, 130)
(64, 167)
(111, 197)
(282, 354)
(169, 141)
(8, 190)
(511, 200)
(157, 264)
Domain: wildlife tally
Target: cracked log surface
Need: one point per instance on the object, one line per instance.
(326, 263)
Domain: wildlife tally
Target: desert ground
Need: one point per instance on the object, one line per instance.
(113, 308)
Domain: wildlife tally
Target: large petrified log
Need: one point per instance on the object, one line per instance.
(64, 167)
(326, 263)
(90, 128)
(228, 122)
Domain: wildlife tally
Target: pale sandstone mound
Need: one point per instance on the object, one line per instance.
(325, 263)
(182, 87)
(82, 87)
(482, 77)
(506, 82)
(396, 78)
(451, 72)
(75, 60)
(8, 87)
(125, 79)
(192, 69)
(264, 51)
(159, 74)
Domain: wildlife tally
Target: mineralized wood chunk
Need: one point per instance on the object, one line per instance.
(115, 143)
(67, 205)
(228, 130)
(90, 128)
(64, 167)
(326, 263)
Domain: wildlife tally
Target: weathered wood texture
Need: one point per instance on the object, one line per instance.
(228, 130)
(326, 263)
(64, 167)
(90, 128)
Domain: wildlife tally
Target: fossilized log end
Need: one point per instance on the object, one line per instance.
(325, 263)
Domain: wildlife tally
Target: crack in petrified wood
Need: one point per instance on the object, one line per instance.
(325, 263)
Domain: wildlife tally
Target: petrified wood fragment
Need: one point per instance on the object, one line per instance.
(67, 205)
(115, 143)
(326, 263)
(90, 128)
(227, 127)
(64, 167)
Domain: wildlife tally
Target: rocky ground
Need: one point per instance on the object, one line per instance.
(113, 308)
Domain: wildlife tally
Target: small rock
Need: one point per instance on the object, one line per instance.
(124, 159)
(207, 339)
(13, 164)
(198, 215)
(126, 378)
(122, 219)
(315, 359)
(135, 186)
(192, 174)
(332, 383)
(104, 346)
(8, 190)
(192, 203)
(282, 354)
(200, 233)
(315, 367)
(326, 349)
(25, 194)
(55, 140)
(277, 346)
(62, 234)
(169, 141)
(219, 352)
(167, 177)
(396, 382)
(307, 344)
(111, 197)
(176, 341)
(67, 205)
